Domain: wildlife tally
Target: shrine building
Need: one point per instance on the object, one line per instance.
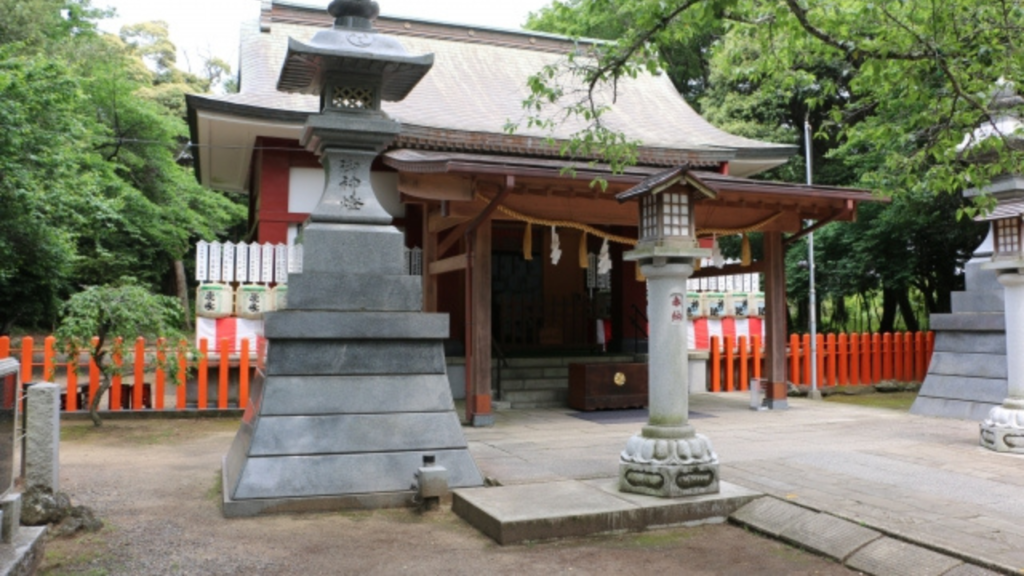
(524, 256)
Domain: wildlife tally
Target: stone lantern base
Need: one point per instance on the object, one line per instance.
(669, 467)
(1003, 429)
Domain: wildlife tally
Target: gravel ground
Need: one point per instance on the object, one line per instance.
(156, 485)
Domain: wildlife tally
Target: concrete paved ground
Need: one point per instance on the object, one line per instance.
(923, 480)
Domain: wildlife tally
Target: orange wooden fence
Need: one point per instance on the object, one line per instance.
(141, 386)
(842, 360)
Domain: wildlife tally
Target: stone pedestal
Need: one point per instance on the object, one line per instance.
(668, 458)
(967, 375)
(353, 398)
(1003, 428)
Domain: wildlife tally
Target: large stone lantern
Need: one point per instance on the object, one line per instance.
(352, 408)
(667, 458)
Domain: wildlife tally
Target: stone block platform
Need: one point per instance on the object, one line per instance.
(574, 508)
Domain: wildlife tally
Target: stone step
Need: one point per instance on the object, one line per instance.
(539, 372)
(578, 508)
(978, 301)
(535, 384)
(535, 398)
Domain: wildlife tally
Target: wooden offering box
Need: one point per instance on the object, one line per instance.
(597, 386)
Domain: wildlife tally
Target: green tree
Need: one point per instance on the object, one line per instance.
(924, 76)
(90, 189)
(116, 315)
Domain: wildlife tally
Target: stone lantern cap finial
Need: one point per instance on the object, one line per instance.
(352, 46)
(367, 9)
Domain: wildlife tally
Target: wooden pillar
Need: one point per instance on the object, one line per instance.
(775, 321)
(478, 327)
(429, 256)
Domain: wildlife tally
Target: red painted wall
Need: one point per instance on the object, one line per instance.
(274, 159)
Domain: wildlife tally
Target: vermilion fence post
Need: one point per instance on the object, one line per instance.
(71, 396)
(730, 382)
(865, 358)
(897, 357)
(920, 355)
(182, 390)
(94, 371)
(757, 357)
(115, 387)
(140, 373)
(243, 375)
(202, 377)
(908, 357)
(794, 358)
(222, 383)
(877, 358)
(820, 360)
(830, 347)
(808, 360)
(744, 359)
(716, 365)
(844, 360)
(49, 369)
(5, 346)
(930, 345)
(27, 345)
(159, 376)
(854, 359)
(886, 356)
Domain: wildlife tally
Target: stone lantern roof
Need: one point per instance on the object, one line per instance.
(352, 46)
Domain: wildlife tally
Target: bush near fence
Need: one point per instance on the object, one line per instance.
(124, 394)
(842, 360)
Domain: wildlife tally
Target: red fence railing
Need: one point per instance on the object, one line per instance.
(842, 360)
(143, 384)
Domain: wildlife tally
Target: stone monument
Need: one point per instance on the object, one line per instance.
(352, 398)
(667, 458)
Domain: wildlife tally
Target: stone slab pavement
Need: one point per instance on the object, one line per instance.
(916, 479)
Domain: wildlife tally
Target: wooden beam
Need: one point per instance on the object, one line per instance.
(600, 212)
(478, 326)
(429, 259)
(730, 270)
(436, 186)
(448, 265)
(775, 320)
(439, 222)
(845, 214)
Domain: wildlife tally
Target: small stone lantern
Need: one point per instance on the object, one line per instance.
(667, 458)
(1003, 428)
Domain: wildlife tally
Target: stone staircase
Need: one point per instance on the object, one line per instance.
(543, 382)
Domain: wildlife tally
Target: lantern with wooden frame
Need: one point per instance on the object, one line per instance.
(1007, 236)
(667, 227)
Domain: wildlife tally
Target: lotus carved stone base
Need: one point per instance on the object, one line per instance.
(669, 468)
(1003, 429)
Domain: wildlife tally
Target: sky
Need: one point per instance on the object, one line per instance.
(210, 27)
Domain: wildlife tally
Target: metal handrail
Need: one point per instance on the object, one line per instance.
(637, 328)
(502, 362)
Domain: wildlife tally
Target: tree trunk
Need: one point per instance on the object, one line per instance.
(889, 304)
(182, 284)
(94, 414)
(907, 310)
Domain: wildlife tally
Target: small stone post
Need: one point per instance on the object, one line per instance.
(42, 437)
(1003, 429)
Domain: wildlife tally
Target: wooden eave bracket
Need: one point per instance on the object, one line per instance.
(850, 209)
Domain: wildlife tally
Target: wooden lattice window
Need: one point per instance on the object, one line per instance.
(649, 217)
(676, 214)
(352, 98)
(1007, 236)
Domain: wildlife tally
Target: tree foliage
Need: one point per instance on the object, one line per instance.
(90, 189)
(116, 314)
(891, 89)
(915, 77)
